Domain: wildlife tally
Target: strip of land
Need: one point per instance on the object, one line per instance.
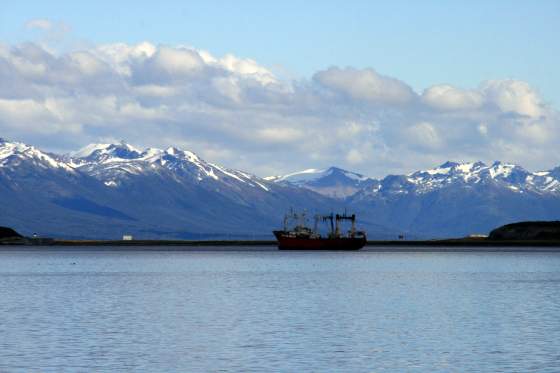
(522, 236)
(468, 242)
(446, 245)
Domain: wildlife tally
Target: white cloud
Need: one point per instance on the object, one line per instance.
(167, 65)
(513, 96)
(280, 135)
(446, 97)
(535, 132)
(86, 64)
(354, 156)
(365, 85)
(424, 135)
(40, 24)
(228, 87)
(238, 113)
(155, 90)
(48, 29)
(32, 116)
(121, 56)
(247, 67)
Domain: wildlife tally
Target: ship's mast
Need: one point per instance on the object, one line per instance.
(330, 218)
(337, 229)
(302, 220)
(340, 218)
(316, 225)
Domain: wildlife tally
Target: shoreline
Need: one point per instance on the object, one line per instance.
(446, 245)
(455, 242)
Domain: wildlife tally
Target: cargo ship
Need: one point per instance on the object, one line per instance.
(301, 237)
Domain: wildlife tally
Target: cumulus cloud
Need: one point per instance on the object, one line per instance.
(366, 85)
(281, 135)
(167, 65)
(424, 135)
(513, 96)
(234, 111)
(449, 98)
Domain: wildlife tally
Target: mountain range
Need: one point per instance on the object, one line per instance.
(107, 190)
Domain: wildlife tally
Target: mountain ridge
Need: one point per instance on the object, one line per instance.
(513, 176)
(106, 190)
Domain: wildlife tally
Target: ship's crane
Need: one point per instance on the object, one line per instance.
(299, 221)
(335, 220)
(330, 218)
(343, 217)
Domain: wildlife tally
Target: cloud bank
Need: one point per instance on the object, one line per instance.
(236, 112)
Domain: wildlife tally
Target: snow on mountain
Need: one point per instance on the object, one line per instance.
(457, 199)
(506, 175)
(105, 190)
(313, 174)
(12, 154)
(104, 152)
(171, 192)
(332, 182)
(338, 183)
(112, 163)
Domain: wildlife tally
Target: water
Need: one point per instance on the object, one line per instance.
(269, 311)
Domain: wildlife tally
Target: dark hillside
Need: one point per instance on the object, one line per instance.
(528, 230)
(6, 232)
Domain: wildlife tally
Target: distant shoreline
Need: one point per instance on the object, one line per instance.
(469, 242)
(446, 245)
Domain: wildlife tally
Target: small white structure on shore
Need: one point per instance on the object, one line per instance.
(478, 235)
(127, 237)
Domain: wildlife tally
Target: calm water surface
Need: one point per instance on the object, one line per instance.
(269, 311)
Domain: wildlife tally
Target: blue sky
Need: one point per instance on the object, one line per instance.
(375, 87)
(421, 42)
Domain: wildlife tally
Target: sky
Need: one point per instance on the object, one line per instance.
(375, 87)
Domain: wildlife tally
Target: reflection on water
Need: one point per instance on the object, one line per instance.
(279, 311)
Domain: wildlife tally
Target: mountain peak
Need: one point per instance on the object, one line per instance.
(11, 153)
(449, 164)
(462, 166)
(111, 150)
(333, 181)
(313, 174)
(508, 175)
(452, 168)
(172, 150)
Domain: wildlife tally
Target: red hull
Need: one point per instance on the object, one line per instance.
(297, 243)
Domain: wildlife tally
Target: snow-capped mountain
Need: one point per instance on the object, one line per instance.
(111, 163)
(338, 183)
(332, 182)
(106, 190)
(41, 192)
(456, 199)
(13, 154)
(510, 176)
